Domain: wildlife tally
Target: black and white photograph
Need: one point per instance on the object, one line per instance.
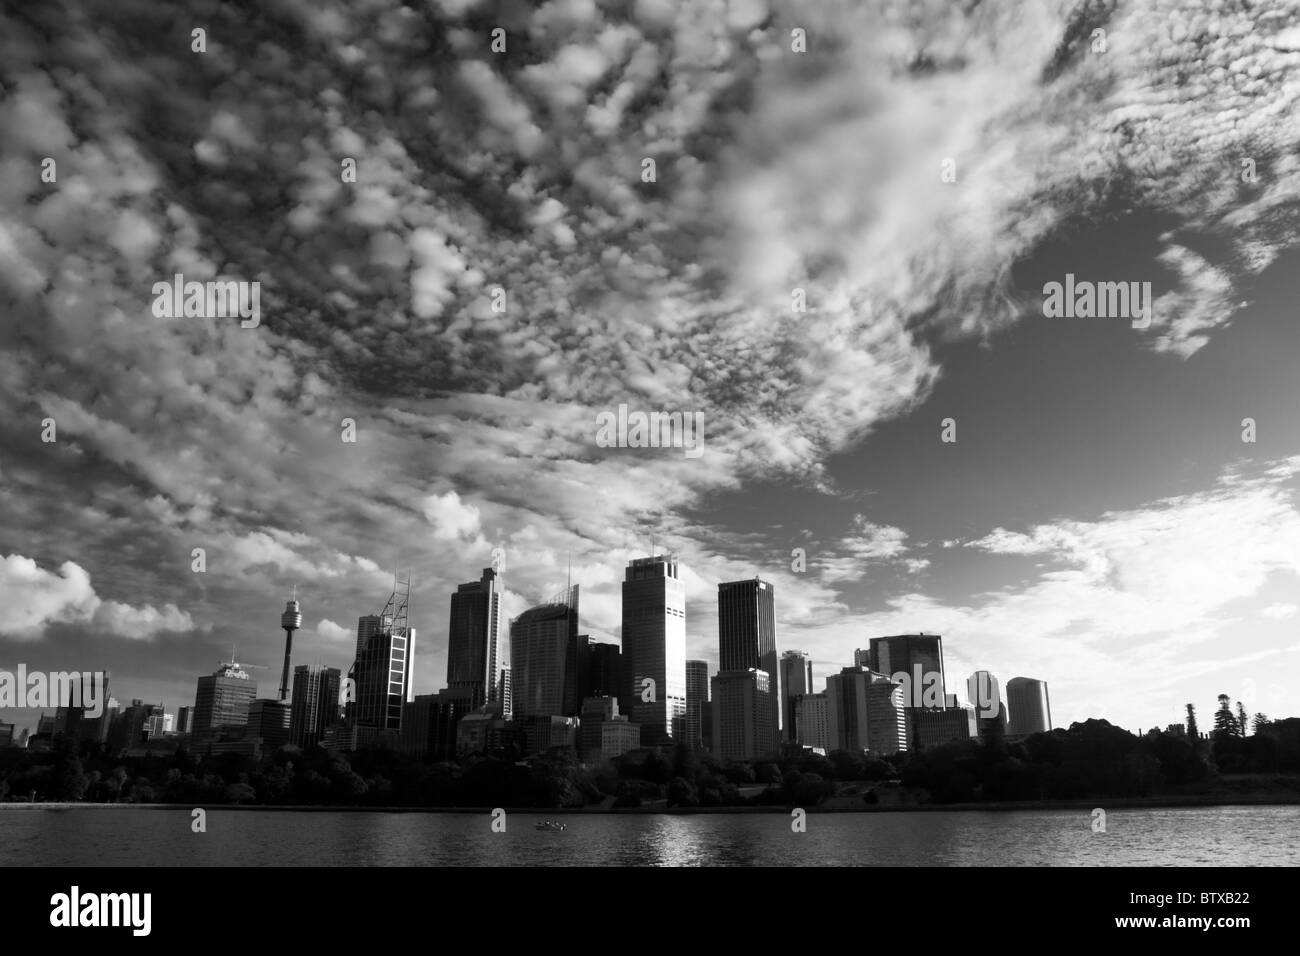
(495, 434)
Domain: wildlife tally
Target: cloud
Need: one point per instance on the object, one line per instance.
(1280, 612)
(452, 519)
(31, 597)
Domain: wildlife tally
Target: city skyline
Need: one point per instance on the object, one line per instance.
(738, 638)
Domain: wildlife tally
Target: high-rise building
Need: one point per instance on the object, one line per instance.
(505, 696)
(1030, 709)
(697, 695)
(185, 720)
(742, 711)
(905, 653)
(315, 706)
(983, 690)
(545, 663)
(6, 735)
(747, 636)
(796, 681)
(606, 671)
(654, 648)
(596, 711)
(814, 721)
(474, 639)
(268, 720)
(865, 712)
(383, 668)
(886, 718)
(222, 699)
(920, 657)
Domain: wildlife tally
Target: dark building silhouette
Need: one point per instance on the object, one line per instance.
(474, 639)
(747, 640)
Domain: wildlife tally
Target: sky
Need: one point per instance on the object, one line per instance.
(502, 271)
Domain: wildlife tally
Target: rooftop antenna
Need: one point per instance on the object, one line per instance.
(569, 584)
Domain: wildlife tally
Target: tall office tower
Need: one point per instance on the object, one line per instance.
(862, 658)
(606, 671)
(907, 652)
(315, 706)
(742, 711)
(474, 639)
(886, 718)
(846, 695)
(697, 695)
(796, 680)
(185, 720)
(290, 620)
(577, 673)
(222, 698)
(505, 696)
(654, 648)
(865, 712)
(985, 695)
(382, 671)
(1031, 711)
(747, 635)
(814, 721)
(544, 657)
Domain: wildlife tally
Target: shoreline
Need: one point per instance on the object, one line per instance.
(1108, 804)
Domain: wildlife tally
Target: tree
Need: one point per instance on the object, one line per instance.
(682, 793)
(1243, 725)
(1261, 720)
(1225, 725)
(1193, 734)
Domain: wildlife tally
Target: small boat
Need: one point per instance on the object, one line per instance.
(550, 825)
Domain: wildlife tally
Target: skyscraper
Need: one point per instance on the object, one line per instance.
(315, 706)
(920, 657)
(886, 718)
(544, 657)
(222, 698)
(382, 671)
(795, 681)
(865, 712)
(697, 700)
(505, 696)
(606, 671)
(697, 695)
(742, 709)
(1030, 709)
(747, 636)
(814, 721)
(985, 695)
(473, 644)
(904, 652)
(654, 648)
